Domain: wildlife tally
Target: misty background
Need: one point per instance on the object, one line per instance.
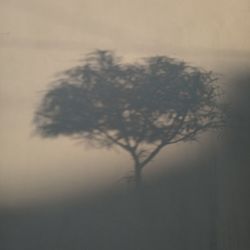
(38, 39)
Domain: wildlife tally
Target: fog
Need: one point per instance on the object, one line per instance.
(38, 39)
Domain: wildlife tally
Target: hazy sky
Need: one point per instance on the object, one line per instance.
(131, 26)
(40, 38)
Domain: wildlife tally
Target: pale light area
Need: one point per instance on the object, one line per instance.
(41, 38)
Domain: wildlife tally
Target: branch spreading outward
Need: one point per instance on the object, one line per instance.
(141, 107)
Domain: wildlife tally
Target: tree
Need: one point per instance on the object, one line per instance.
(140, 107)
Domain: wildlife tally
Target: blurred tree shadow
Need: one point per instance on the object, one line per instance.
(140, 107)
(178, 211)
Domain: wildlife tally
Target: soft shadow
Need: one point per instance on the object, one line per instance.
(206, 206)
(175, 211)
(139, 107)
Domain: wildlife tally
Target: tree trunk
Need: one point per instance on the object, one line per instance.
(138, 176)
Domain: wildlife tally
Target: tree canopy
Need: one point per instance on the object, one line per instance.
(141, 107)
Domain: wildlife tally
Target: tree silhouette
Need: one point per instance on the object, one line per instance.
(140, 107)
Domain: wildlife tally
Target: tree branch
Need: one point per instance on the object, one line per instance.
(116, 141)
(194, 132)
(152, 155)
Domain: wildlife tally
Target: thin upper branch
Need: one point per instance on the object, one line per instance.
(115, 140)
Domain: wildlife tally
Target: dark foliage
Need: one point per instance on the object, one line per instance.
(141, 107)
